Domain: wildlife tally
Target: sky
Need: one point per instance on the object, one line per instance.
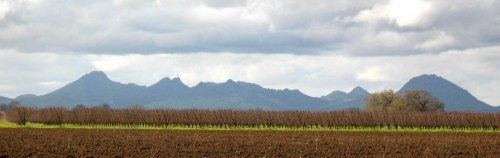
(316, 46)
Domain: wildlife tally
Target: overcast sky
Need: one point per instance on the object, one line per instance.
(316, 46)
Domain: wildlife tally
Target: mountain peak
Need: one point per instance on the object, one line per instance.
(334, 95)
(165, 79)
(337, 93)
(429, 76)
(95, 75)
(168, 79)
(230, 81)
(176, 79)
(430, 81)
(343, 100)
(453, 96)
(204, 84)
(358, 91)
(167, 82)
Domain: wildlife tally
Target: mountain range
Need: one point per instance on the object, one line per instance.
(96, 88)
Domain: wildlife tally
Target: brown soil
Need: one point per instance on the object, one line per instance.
(167, 143)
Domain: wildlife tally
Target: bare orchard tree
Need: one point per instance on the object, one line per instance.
(2, 115)
(56, 115)
(418, 100)
(20, 114)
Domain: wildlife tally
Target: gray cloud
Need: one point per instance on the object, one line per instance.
(253, 26)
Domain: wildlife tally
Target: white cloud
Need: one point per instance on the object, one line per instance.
(378, 73)
(4, 8)
(441, 40)
(399, 27)
(408, 12)
(39, 73)
(256, 13)
(208, 14)
(403, 13)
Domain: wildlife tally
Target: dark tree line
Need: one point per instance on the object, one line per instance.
(6, 107)
(226, 118)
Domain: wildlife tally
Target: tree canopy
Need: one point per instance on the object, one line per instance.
(411, 100)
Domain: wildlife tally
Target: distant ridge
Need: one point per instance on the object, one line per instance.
(96, 88)
(343, 100)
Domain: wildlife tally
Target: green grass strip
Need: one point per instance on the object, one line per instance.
(7, 124)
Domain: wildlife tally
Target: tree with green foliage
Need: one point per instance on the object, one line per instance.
(379, 101)
(411, 100)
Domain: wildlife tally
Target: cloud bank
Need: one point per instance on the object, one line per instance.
(367, 28)
(316, 46)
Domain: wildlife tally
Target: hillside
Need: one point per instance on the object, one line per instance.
(4, 100)
(454, 97)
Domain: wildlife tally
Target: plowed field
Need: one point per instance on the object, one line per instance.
(179, 143)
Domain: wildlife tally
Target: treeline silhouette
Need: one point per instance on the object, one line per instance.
(227, 118)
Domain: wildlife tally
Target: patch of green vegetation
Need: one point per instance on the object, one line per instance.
(7, 124)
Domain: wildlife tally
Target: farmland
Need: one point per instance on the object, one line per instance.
(176, 143)
(136, 132)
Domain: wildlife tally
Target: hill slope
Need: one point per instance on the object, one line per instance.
(4, 100)
(91, 89)
(454, 97)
